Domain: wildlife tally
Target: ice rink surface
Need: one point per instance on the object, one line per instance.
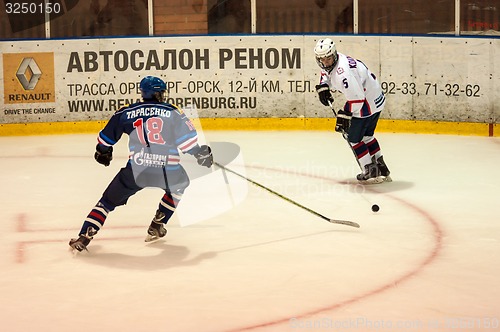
(427, 261)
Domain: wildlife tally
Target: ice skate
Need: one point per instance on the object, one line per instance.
(83, 240)
(156, 229)
(384, 170)
(79, 244)
(371, 175)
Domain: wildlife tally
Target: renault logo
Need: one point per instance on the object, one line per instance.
(28, 73)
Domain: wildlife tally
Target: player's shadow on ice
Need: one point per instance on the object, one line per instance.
(385, 187)
(170, 256)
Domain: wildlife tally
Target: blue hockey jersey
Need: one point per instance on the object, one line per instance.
(157, 132)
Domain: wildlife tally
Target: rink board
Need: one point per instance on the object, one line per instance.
(435, 78)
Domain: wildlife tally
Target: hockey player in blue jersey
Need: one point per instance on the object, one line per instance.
(157, 131)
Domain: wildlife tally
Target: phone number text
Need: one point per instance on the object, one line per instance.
(432, 89)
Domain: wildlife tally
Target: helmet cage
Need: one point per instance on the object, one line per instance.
(325, 67)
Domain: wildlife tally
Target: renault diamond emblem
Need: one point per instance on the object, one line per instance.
(28, 79)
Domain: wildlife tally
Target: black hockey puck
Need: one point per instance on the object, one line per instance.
(375, 208)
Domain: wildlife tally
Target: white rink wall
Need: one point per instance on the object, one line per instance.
(432, 78)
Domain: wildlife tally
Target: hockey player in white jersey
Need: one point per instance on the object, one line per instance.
(365, 101)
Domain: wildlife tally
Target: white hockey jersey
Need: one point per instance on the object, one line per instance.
(358, 84)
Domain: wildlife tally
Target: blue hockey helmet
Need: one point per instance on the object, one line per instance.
(153, 88)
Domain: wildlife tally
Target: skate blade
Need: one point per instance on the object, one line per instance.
(75, 252)
(151, 238)
(376, 180)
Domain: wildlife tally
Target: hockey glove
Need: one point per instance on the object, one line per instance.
(204, 156)
(103, 155)
(343, 121)
(324, 93)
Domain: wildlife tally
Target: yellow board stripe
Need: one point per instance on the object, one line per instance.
(434, 127)
(51, 128)
(392, 126)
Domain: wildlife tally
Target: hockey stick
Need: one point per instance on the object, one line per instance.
(333, 221)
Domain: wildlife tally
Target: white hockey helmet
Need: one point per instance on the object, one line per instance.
(325, 50)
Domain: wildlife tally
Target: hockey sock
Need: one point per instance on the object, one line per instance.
(95, 219)
(168, 205)
(373, 146)
(362, 153)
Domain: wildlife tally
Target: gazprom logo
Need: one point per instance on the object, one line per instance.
(28, 73)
